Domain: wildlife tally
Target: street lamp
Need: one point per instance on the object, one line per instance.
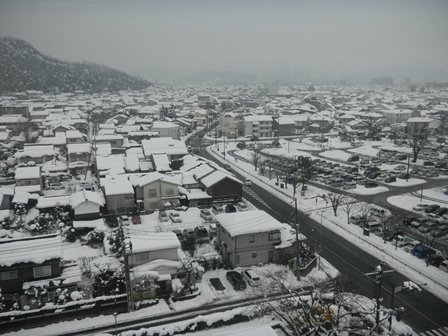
(115, 318)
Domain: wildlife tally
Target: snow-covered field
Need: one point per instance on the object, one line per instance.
(336, 154)
(407, 201)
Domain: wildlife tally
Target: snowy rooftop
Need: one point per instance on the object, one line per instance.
(217, 176)
(27, 173)
(121, 187)
(152, 177)
(36, 251)
(78, 148)
(248, 222)
(92, 224)
(167, 146)
(82, 196)
(51, 201)
(161, 162)
(154, 242)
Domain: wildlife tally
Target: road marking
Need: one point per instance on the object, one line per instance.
(435, 332)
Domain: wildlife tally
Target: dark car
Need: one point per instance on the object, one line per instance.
(236, 280)
(230, 208)
(201, 231)
(178, 234)
(403, 176)
(441, 211)
(431, 208)
(370, 184)
(353, 158)
(390, 179)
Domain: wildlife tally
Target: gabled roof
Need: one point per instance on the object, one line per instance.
(82, 196)
(152, 177)
(167, 146)
(121, 187)
(248, 222)
(217, 176)
(27, 173)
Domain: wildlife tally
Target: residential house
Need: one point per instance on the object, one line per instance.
(35, 153)
(222, 186)
(78, 157)
(252, 237)
(74, 137)
(154, 191)
(115, 140)
(119, 196)
(154, 256)
(166, 129)
(5, 135)
(200, 117)
(29, 260)
(14, 109)
(173, 148)
(86, 204)
(396, 116)
(58, 141)
(6, 196)
(28, 179)
(16, 123)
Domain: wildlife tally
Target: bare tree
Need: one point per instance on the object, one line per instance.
(336, 200)
(417, 140)
(255, 157)
(315, 312)
(364, 211)
(349, 206)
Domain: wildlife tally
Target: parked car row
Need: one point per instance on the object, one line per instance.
(239, 280)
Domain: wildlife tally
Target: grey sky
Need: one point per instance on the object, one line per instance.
(187, 36)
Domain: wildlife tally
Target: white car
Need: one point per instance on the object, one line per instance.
(419, 207)
(241, 206)
(206, 215)
(252, 277)
(175, 217)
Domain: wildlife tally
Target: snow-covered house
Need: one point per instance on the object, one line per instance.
(87, 204)
(174, 149)
(78, 156)
(252, 237)
(29, 260)
(155, 256)
(258, 125)
(14, 122)
(35, 153)
(28, 179)
(166, 129)
(5, 135)
(155, 191)
(115, 140)
(119, 196)
(417, 124)
(74, 137)
(221, 185)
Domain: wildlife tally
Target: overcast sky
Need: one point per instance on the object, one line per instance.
(187, 36)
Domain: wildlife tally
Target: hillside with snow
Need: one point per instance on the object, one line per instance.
(22, 68)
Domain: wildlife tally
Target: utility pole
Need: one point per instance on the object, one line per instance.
(298, 243)
(407, 172)
(377, 288)
(126, 268)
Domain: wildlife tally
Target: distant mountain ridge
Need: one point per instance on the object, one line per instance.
(22, 67)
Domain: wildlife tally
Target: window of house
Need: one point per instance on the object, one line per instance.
(8, 275)
(42, 271)
(169, 191)
(254, 254)
(152, 193)
(274, 235)
(142, 256)
(251, 238)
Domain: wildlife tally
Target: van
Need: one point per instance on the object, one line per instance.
(444, 266)
(377, 211)
(337, 182)
(405, 241)
(356, 219)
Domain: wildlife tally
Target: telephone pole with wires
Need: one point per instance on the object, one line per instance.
(127, 250)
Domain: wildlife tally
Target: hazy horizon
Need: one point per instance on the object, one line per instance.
(320, 37)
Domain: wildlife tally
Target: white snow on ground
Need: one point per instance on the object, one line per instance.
(306, 145)
(337, 143)
(408, 265)
(365, 150)
(402, 183)
(407, 201)
(87, 323)
(361, 190)
(336, 154)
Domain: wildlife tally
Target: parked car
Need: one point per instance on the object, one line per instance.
(236, 280)
(163, 217)
(136, 219)
(241, 206)
(431, 208)
(206, 215)
(390, 179)
(217, 209)
(370, 184)
(201, 231)
(248, 182)
(420, 207)
(175, 217)
(125, 220)
(56, 186)
(230, 208)
(252, 277)
(187, 233)
(179, 234)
